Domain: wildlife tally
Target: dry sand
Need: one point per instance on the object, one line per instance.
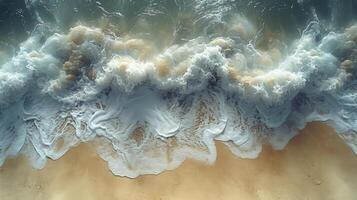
(315, 165)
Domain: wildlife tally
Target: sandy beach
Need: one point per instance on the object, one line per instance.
(148, 83)
(315, 165)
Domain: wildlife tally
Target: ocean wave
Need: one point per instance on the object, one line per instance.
(146, 109)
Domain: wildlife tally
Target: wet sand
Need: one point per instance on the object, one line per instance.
(315, 165)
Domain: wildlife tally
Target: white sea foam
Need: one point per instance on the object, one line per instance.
(148, 110)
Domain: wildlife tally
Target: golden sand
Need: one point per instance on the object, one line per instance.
(315, 165)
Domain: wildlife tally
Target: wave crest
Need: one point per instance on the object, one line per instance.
(147, 110)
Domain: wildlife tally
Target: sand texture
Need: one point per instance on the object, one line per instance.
(315, 165)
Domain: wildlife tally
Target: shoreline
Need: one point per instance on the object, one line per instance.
(316, 164)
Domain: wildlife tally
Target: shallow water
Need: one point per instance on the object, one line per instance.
(152, 83)
(315, 165)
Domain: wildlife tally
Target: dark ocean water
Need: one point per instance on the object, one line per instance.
(19, 18)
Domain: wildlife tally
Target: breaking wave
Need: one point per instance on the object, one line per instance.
(148, 99)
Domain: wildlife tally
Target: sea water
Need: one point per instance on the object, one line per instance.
(152, 82)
